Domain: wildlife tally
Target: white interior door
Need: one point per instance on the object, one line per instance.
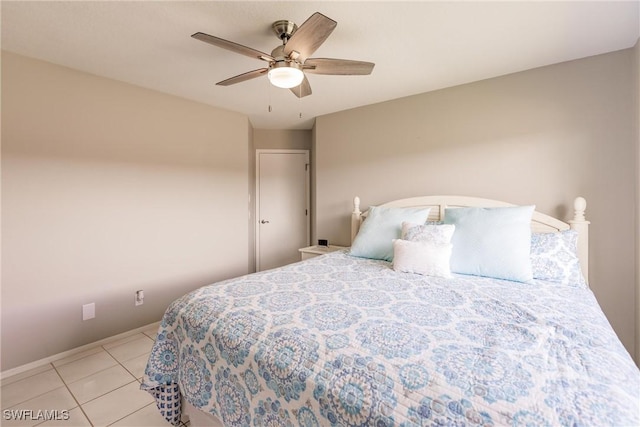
(282, 206)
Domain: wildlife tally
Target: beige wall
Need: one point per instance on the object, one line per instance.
(636, 73)
(542, 136)
(282, 139)
(108, 188)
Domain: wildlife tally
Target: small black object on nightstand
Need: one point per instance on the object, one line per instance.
(322, 242)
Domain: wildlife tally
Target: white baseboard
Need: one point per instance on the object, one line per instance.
(38, 363)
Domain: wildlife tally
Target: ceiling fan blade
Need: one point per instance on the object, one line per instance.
(310, 35)
(243, 77)
(302, 90)
(233, 47)
(345, 67)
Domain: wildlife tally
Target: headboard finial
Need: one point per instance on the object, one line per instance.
(356, 217)
(581, 225)
(579, 206)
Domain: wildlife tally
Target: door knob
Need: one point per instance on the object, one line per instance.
(264, 222)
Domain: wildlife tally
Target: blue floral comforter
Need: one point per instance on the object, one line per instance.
(342, 341)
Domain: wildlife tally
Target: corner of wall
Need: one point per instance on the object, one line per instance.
(636, 76)
(252, 200)
(313, 184)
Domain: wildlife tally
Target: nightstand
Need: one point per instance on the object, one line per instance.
(312, 251)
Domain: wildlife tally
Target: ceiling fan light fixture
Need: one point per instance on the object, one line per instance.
(285, 75)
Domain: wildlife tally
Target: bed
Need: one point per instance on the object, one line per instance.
(352, 338)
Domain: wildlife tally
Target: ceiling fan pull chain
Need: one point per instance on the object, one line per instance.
(269, 94)
(300, 101)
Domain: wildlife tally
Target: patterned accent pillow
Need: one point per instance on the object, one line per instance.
(554, 258)
(435, 233)
(426, 258)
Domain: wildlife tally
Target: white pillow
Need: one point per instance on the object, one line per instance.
(492, 242)
(434, 233)
(375, 237)
(429, 259)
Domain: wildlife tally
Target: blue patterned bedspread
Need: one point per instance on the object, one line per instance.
(342, 341)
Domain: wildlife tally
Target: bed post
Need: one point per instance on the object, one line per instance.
(355, 218)
(581, 225)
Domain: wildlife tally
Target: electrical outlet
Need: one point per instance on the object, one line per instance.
(139, 300)
(89, 311)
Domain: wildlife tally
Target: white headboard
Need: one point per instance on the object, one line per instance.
(540, 223)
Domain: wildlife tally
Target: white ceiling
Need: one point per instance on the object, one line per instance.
(417, 46)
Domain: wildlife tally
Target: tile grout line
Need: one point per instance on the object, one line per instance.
(80, 405)
(36, 396)
(93, 373)
(102, 370)
(97, 372)
(72, 395)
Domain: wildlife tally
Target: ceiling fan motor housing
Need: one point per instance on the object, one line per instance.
(279, 55)
(284, 29)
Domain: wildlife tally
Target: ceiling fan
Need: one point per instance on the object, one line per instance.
(289, 62)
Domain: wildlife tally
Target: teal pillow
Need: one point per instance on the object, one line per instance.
(375, 237)
(492, 242)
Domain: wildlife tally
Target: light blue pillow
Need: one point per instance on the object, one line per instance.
(492, 242)
(375, 237)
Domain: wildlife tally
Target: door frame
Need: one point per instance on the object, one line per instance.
(257, 204)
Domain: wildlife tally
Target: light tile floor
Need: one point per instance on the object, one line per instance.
(98, 387)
